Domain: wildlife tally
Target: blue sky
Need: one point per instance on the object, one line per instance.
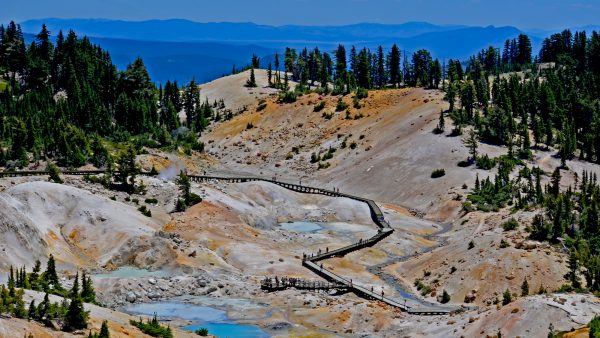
(527, 14)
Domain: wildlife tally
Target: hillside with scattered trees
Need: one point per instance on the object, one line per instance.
(67, 101)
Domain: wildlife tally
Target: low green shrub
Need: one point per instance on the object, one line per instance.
(319, 106)
(438, 173)
(511, 224)
(153, 328)
(341, 105)
(145, 211)
(485, 163)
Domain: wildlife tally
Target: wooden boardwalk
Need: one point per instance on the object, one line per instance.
(309, 261)
(278, 284)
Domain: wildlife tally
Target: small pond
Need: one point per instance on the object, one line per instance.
(216, 321)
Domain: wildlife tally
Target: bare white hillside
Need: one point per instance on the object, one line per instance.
(39, 218)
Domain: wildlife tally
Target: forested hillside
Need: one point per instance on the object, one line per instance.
(553, 99)
(67, 100)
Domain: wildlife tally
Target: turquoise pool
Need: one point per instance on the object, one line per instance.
(216, 321)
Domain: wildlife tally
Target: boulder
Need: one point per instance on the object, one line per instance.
(131, 297)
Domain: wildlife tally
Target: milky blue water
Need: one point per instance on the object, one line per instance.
(223, 330)
(216, 321)
(301, 226)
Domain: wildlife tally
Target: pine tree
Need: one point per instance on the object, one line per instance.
(43, 310)
(471, 143)
(573, 270)
(25, 280)
(76, 316)
(19, 309)
(435, 74)
(11, 281)
(251, 82)
(277, 70)
(53, 173)
(104, 333)
(35, 274)
(50, 275)
(445, 297)
(555, 189)
(451, 96)
(88, 294)
(380, 75)
(394, 66)
(32, 313)
(525, 288)
(442, 122)
(506, 297)
(127, 170)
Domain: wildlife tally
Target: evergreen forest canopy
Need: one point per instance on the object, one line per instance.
(557, 102)
(66, 101)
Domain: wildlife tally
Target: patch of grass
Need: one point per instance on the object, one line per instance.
(3, 86)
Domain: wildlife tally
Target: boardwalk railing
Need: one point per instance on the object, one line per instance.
(278, 284)
(308, 261)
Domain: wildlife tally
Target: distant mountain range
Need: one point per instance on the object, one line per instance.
(189, 31)
(182, 49)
